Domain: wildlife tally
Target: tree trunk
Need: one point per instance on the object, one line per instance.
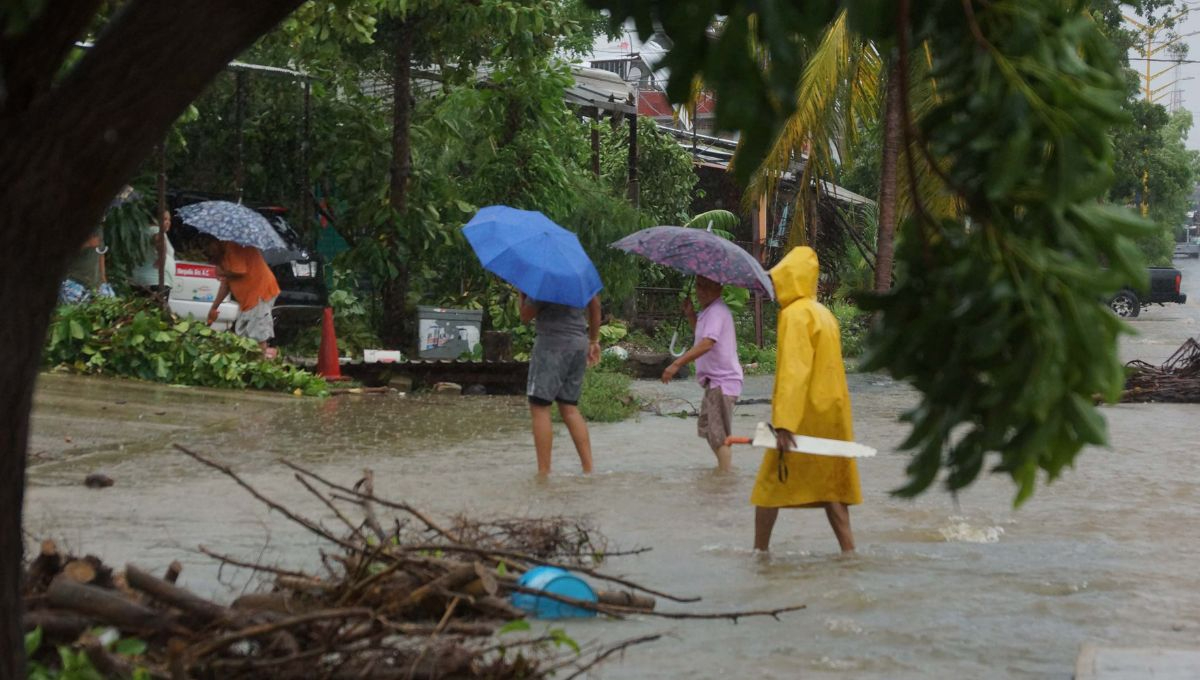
(64, 153)
(395, 291)
(893, 124)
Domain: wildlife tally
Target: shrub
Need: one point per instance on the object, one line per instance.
(135, 338)
(853, 324)
(606, 397)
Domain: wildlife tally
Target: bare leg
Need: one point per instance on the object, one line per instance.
(543, 436)
(764, 523)
(577, 426)
(724, 458)
(839, 519)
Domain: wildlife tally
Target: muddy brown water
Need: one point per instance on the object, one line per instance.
(941, 587)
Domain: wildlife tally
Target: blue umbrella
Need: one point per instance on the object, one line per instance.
(232, 222)
(540, 258)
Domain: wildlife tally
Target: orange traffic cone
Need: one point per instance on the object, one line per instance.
(327, 360)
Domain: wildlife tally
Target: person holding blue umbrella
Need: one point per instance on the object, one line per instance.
(559, 289)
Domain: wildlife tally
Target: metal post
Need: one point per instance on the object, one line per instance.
(162, 225)
(633, 188)
(239, 115)
(304, 208)
(760, 231)
(596, 143)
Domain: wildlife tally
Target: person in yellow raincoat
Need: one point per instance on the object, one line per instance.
(811, 398)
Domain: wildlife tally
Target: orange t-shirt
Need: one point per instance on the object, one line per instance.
(257, 283)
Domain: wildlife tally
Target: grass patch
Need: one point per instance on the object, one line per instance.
(606, 397)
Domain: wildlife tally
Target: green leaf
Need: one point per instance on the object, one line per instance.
(514, 626)
(76, 329)
(33, 640)
(130, 647)
(560, 638)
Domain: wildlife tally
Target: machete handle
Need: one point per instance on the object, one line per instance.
(729, 441)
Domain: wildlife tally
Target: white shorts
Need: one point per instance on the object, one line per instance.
(256, 323)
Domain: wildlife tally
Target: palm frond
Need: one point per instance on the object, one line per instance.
(839, 95)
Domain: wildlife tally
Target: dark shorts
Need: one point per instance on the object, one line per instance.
(556, 375)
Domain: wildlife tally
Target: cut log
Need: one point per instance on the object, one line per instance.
(108, 606)
(623, 598)
(458, 576)
(109, 665)
(173, 571)
(281, 602)
(79, 571)
(180, 598)
(56, 625)
(44, 568)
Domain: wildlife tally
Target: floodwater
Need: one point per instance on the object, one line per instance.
(940, 587)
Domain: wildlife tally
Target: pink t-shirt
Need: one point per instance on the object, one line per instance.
(719, 366)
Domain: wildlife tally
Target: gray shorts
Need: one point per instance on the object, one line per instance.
(256, 323)
(556, 375)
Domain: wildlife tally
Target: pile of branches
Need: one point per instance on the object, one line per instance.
(417, 599)
(1176, 381)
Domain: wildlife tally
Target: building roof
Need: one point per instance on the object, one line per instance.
(717, 152)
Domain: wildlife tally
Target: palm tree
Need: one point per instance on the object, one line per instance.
(848, 87)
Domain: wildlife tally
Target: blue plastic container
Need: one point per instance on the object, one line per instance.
(556, 581)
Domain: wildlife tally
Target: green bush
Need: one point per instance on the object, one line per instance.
(135, 338)
(853, 324)
(755, 360)
(606, 397)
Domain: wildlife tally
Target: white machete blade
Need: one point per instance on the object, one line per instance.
(764, 438)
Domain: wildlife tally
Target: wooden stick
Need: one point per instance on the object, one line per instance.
(110, 666)
(173, 571)
(620, 612)
(306, 523)
(601, 656)
(66, 626)
(279, 571)
(329, 504)
(108, 606)
(368, 484)
(217, 644)
(537, 560)
(405, 507)
(177, 597)
(621, 598)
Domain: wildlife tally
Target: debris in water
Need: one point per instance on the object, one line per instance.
(98, 480)
(1176, 381)
(410, 598)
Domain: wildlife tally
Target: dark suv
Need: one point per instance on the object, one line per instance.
(299, 271)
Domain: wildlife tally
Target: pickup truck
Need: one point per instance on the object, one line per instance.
(1189, 248)
(1164, 288)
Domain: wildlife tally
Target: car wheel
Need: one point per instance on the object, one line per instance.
(1125, 304)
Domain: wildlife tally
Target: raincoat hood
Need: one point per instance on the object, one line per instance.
(795, 276)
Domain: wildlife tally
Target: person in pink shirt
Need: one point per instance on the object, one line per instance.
(717, 367)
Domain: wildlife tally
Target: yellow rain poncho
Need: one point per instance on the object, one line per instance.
(811, 396)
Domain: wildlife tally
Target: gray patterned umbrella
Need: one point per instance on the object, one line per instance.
(232, 222)
(695, 251)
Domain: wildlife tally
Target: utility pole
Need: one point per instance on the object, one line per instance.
(1150, 47)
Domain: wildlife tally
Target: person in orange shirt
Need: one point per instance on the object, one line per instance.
(243, 272)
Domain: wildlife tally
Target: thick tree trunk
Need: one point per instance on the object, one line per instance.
(893, 128)
(64, 153)
(395, 292)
